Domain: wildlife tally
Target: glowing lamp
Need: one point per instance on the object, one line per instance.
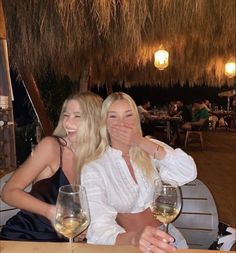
(230, 68)
(161, 59)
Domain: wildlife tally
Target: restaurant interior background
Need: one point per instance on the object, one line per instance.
(159, 96)
(59, 46)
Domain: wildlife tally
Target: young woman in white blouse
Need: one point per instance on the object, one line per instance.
(119, 183)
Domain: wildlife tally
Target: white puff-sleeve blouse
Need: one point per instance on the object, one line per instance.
(111, 189)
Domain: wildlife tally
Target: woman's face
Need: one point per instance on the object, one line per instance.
(120, 114)
(71, 119)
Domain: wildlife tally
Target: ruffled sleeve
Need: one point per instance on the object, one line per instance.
(176, 165)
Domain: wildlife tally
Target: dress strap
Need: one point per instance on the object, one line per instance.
(60, 154)
(61, 148)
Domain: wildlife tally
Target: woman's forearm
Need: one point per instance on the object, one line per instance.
(154, 149)
(23, 200)
(128, 238)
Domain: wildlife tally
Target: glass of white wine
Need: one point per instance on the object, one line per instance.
(166, 203)
(72, 212)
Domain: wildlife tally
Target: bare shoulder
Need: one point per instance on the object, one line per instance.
(49, 140)
(48, 144)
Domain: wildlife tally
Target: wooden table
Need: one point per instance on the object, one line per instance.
(48, 247)
(223, 113)
(168, 120)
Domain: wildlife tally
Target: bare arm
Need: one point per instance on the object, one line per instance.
(41, 161)
(149, 116)
(137, 221)
(142, 231)
(148, 240)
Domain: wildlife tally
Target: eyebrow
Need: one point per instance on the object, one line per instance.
(71, 112)
(116, 112)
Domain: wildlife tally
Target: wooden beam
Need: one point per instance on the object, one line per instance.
(84, 84)
(109, 88)
(37, 102)
(7, 132)
(2, 23)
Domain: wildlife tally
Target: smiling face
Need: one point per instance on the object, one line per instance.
(71, 119)
(120, 113)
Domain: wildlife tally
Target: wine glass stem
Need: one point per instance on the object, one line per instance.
(71, 240)
(165, 227)
(71, 244)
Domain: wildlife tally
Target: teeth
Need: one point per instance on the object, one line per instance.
(71, 131)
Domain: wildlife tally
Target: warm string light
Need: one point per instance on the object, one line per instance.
(161, 59)
(230, 68)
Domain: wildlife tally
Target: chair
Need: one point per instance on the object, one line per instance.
(196, 134)
(227, 238)
(198, 220)
(193, 134)
(6, 211)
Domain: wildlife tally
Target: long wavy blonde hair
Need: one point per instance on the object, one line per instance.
(88, 136)
(138, 156)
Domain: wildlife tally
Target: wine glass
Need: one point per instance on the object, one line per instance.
(72, 212)
(166, 202)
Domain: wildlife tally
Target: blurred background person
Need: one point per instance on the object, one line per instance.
(199, 116)
(172, 108)
(186, 116)
(146, 118)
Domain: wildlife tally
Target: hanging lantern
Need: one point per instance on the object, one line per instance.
(161, 59)
(230, 68)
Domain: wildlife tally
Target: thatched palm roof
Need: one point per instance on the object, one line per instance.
(116, 39)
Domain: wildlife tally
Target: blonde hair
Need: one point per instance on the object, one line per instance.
(88, 136)
(139, 156)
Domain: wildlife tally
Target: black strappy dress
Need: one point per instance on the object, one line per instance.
(27, 226)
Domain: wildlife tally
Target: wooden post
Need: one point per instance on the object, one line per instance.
(2, 23)
(109, 88)
(84, 84)
(7, 129)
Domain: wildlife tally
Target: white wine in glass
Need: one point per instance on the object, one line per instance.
(72, 212)
(167, 202)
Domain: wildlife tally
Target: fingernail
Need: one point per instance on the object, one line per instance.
(172, 239)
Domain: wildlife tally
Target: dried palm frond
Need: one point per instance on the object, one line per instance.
(116, 39)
